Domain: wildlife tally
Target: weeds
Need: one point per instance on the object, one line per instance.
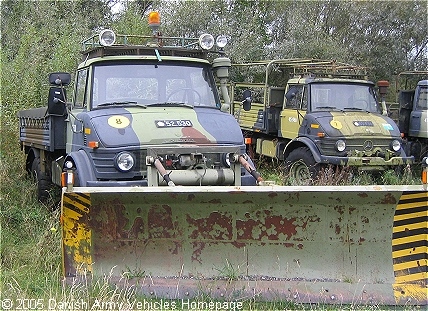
(229, 271)
(30, 261)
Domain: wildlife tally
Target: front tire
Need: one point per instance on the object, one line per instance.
(300, 167)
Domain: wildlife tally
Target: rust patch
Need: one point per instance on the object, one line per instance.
(136, 228)
(239, 244)
(339, 209)
(198, 247)
(173, 195)
(177, 247)
(216, 226)
(389, 199)
(269, 227)
(191, 197)
(365, 219)
(108, 220)
(272, 194)
(363, 195)
(160, 223)
(337, 229)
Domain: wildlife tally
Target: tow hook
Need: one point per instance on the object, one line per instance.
(161, 169)
(243, 160)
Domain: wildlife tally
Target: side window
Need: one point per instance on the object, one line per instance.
(294, 97)
(423, 99)
(305, 98)
(79, 98)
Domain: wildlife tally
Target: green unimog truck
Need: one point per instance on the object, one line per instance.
(309, 114)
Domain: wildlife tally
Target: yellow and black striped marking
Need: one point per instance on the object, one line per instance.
(76, 235)
(410, 246)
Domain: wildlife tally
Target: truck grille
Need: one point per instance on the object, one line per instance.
(327, 146)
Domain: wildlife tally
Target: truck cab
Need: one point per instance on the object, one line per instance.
(145, 111)
(309, 114)
(412, 117)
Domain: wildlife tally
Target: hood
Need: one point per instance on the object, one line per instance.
(118, 127)
(356, 124)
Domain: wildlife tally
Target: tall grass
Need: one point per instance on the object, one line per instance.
(30, 262)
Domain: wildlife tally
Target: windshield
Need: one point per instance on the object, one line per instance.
(343, 96)
(157, 83)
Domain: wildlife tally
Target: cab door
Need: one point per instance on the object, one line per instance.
(295, 105)
(418, 125)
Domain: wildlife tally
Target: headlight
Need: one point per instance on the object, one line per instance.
(221, 41)
(395, 145)
(206, 41)
(107, 37)
(124, 162)
(340, 145)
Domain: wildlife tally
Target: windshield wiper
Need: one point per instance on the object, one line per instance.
(171, 104)
(355, 108)
(326, 107)
(132, 103)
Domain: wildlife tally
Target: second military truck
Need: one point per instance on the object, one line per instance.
(310, 113)
(411, 113)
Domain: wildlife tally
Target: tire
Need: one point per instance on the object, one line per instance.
(300, 167)
(42, 180)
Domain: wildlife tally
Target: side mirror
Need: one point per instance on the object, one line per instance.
(292, 91)
(59, 78)
(247, 99)
(56, 101)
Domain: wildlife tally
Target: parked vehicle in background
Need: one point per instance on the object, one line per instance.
(310, 113)
(411, 112)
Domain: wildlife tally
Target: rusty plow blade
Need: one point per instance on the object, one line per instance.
(358, 244)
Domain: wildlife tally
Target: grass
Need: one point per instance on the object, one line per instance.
(30, 262)
(271, 170)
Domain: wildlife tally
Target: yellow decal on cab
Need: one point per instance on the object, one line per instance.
(118, 122)
(336, 124)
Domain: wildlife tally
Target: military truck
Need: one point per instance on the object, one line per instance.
(410, 112)
(143, 114)
(310, 113)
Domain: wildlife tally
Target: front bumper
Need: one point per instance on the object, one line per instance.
(368, 162)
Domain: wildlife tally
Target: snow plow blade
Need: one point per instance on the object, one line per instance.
(359, 244)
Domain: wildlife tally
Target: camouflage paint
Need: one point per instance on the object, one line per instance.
(308, 244)
(120, 127)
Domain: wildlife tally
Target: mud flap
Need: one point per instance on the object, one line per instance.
(308, 244)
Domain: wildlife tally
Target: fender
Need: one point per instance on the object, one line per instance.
(302, 141)
(83, 165)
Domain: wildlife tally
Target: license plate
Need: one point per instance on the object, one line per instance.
(173, 123)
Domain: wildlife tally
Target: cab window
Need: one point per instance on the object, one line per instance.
(296, 97)
(80, 98)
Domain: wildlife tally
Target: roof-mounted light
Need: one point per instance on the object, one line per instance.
(154, 21)
(206, 41)
(221, 41)
(107, 37)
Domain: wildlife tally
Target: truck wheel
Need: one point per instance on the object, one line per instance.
(42, 180)
(300, 166)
